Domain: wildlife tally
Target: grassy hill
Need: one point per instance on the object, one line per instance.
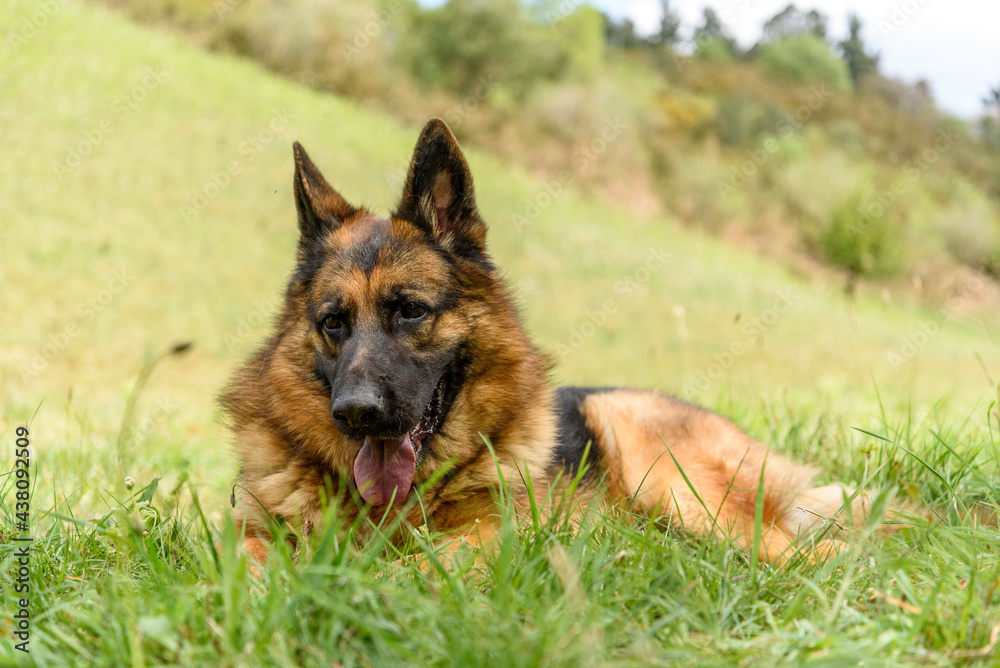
(145, 199)
(798, 147)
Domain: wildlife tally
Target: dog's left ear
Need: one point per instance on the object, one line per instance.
(438, 195)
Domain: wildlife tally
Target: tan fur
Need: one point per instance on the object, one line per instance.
(652, 442)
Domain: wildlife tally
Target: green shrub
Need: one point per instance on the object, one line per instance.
(848, 136)
(790, 147)
(806, 58)
(810, 182)
(861, 238)
(714, 50)
(465, 42)
(336, 45)
(580, 37)
(741, 121)
(968, 226)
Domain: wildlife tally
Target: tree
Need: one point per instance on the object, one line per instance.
(990, 121)
(580, 37)
(711, 26)
(464, 43)
(805, 57)
(860, 63)
(711, 39)
(670, 25)
(622, 35)
(992, 101)
(792, 21)
(816, 23)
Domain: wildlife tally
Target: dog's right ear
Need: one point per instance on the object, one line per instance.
(321, 208)
(438, 196)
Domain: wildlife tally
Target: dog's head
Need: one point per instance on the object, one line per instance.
(390, 303)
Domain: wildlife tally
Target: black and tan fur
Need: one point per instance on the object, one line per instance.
(395, 322)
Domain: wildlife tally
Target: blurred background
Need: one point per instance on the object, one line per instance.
(778, 210)
(845, 92)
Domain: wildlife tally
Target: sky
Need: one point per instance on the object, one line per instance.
(954, 45)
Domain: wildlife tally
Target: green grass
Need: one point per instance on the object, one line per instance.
(613, 590)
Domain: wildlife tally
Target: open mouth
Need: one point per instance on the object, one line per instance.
(384, 468)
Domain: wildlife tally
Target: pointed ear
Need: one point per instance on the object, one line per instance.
(321, 208)
(438, 195)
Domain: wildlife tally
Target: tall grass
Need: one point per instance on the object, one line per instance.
(149, 580)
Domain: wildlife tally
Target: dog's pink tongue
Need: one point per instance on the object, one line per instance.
(384, 466)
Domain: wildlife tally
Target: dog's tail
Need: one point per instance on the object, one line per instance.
(669, 458)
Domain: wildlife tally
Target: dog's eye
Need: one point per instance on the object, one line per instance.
(413, 311)
(333, 324)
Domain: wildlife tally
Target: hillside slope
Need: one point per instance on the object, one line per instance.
(798, 147)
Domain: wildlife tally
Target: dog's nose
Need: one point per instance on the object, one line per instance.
(357, 410)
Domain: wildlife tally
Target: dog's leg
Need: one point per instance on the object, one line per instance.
(256, 549)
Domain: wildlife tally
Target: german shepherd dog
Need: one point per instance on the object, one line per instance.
(399, 351)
